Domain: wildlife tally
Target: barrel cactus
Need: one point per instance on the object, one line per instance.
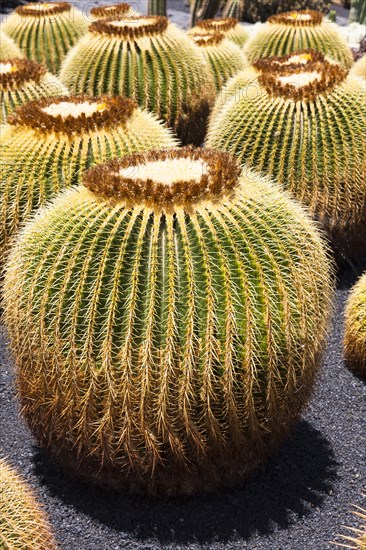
(359, 68)
(229, 26)
(175, 307)
(149, 60)
(117, 11)
(223, 56)
(23, 523)
(8, 48)
(45, 32)
(358, 537)
(22, 81)
(355, 332)
(299, 30)
(306, 127)
(49, 143)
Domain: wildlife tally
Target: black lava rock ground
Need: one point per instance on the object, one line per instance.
(299, 500)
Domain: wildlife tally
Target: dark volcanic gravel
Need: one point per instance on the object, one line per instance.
(299, 500)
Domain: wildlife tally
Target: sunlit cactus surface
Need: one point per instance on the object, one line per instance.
(355, 331)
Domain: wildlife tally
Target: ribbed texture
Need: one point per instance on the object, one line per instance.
(238, 85)
(162, 71)
(41, 163)
(224, 58)
(316, 149)
(46, 39)
(281, 39)
(167, 352)
(8, 47)
(229, 26)
(359, 68)
(23, 524)
(15, 94)
(355, 331)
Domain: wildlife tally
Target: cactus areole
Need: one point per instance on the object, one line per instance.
(43, 9)
(15, 72)
(112, 10)
(176, 307)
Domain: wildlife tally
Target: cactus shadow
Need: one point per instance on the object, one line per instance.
(287, 487)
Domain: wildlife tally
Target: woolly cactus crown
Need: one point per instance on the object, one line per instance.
(22, 81)
(23, 523)
(147, 295)
(296, 31)
(223, 56)
(150, 60)
(229, 26)
(355, 330)
(359, 68)
(49, 143)
(304, 112)
(117, 11)
(45, 32)
(8, 48)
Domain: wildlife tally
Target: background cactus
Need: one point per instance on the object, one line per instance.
(49, 144)
(355, 331)
(359, 68)
(117, 11)
(229, 26)
(45, 32)
(223, 56)
(299, 30)
(176, 308)
(306, 127)
(8, 47)
(153, 62)
(23, 524)
(22, 81)
(358, 11)
(254, 11)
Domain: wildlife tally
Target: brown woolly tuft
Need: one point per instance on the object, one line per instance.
(155, 24)
(221, 178)
(330, 75)
(111, 10)
(23, 71)
(41, 9)
(218, 24)
(292, 18)
(209, 39)
(276, 64)
(116, 112)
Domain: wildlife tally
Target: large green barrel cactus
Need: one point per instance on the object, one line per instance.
(22, 81)
(359, 68)
(306, 127)
(49, 143)
(175, 308)
(355, 331)
(223, 56)
(299, 30)
(229, 26)
(23, 523)
(117, 11)
(8, 48)
(45, 32)
(149, 60)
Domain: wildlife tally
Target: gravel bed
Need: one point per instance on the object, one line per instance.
(298, 500)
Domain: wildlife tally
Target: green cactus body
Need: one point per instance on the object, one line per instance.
(151, 61)
(223, 56)
(359, 68)
(49, 143)
(116, 11)
(8, 48)
(355, 330)
(240, 83)
(299, 30)
(22, 81)
(306, 127)
(228, 26)
(23, 524)
(45, 32)
(176, 308)
(358, 11)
